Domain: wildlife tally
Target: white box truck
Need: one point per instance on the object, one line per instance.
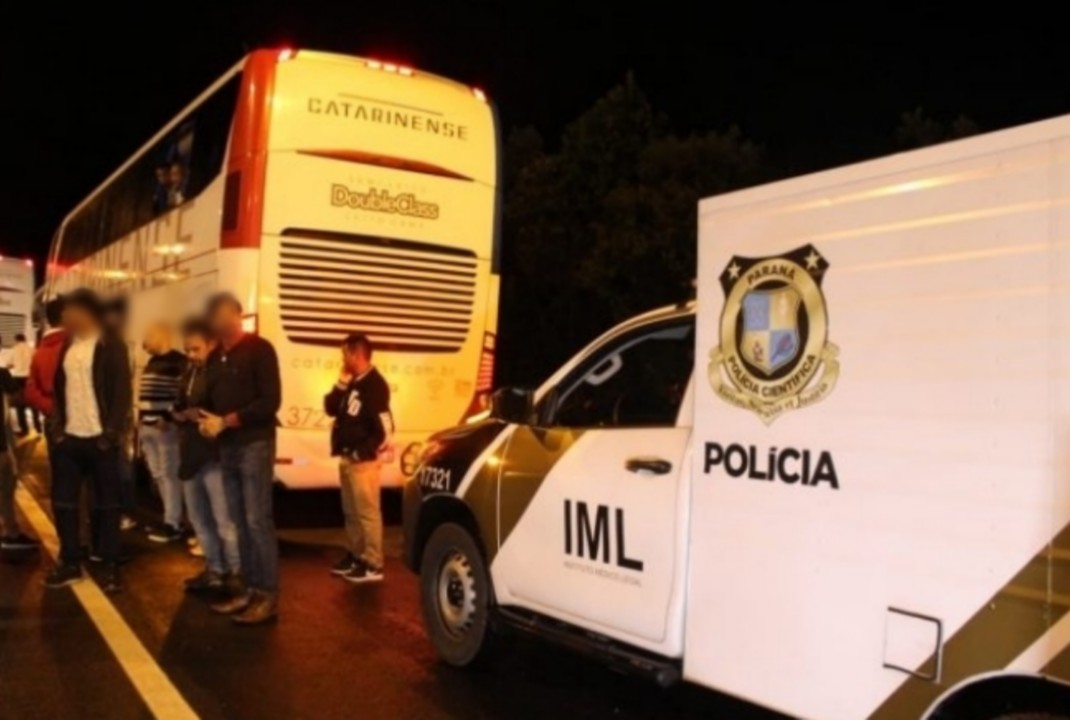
(837, 486)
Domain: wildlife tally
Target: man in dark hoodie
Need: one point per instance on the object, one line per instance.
(360, 406)
(93, 395)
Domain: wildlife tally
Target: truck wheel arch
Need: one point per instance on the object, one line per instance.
(995, 695)
(436, 511)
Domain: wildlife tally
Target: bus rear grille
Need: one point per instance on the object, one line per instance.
(11, 324)
(407, 297)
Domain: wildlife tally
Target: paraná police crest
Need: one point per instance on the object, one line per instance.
(774, 354)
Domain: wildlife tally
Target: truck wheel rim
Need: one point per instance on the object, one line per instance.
(456, 594)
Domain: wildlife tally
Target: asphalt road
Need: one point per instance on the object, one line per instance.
(338, 651)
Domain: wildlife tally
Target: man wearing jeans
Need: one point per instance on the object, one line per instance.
(92, 407)
(202, 478)
(157, 395)
(360, 406)
(243, 398)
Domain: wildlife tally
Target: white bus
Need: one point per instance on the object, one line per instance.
(331, 194)
(17, 288)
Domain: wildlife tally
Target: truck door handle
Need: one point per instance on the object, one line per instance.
(654, 466)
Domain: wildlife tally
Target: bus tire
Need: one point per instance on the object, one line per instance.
(456, 595)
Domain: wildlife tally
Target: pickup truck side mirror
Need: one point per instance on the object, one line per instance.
(512, 405)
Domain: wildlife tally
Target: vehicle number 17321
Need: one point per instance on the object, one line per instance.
(434, 478)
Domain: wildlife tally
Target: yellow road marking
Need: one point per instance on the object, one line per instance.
(158, 692)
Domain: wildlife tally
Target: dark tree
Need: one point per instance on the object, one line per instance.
(605, 227)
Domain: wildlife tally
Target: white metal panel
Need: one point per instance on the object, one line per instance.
(946, 296)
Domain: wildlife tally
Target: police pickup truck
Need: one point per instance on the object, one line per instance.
(837, 486)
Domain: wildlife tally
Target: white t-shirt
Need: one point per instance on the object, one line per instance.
(83, 415)
(21, 357)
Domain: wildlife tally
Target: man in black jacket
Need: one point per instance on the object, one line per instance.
(93, 396)
(360, 406)
(242, 403)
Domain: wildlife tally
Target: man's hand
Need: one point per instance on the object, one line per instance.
(345, 378)
(187, 415)
(211, 426)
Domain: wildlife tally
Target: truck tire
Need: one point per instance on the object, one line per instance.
(455, 590)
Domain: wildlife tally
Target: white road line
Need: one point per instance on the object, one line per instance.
(159, 694)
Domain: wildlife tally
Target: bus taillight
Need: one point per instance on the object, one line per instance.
(287, 54)
(484, 379)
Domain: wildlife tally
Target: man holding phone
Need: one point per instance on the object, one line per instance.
(360, 406)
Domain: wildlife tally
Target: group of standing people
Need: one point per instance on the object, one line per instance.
(206, 424)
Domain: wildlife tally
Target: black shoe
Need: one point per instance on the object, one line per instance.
(166, 534)
(63, 575)
(110, 582)
(18, 541)
(345, 565)
(363, 573)
(207, 581)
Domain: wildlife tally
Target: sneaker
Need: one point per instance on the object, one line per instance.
(207, 581)
(110, 581)
(363, 573)
(345, 565)
(63, 575)
(234, 605)
(127, 523)
(166, 534)
(195, 548)
(264, 609)
(18, 541)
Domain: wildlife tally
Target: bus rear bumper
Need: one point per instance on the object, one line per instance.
(303, 459)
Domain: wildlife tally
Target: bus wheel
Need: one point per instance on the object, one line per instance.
(455, 589)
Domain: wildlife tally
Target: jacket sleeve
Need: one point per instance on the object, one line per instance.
(58, 418)
(122, 390)
(379, 403)
(35, 392)
(265, 408)
(333, 400)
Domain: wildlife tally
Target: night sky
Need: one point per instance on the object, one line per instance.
(82, 89)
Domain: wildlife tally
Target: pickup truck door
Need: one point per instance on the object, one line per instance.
(593, 503)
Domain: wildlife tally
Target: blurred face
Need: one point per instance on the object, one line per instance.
(156, 341)
(78, 321)
(198, 349)
(226, 320)
(176, 175)
(162, 175)
(355, 361)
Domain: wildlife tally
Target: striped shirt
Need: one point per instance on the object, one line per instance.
(159, 386)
